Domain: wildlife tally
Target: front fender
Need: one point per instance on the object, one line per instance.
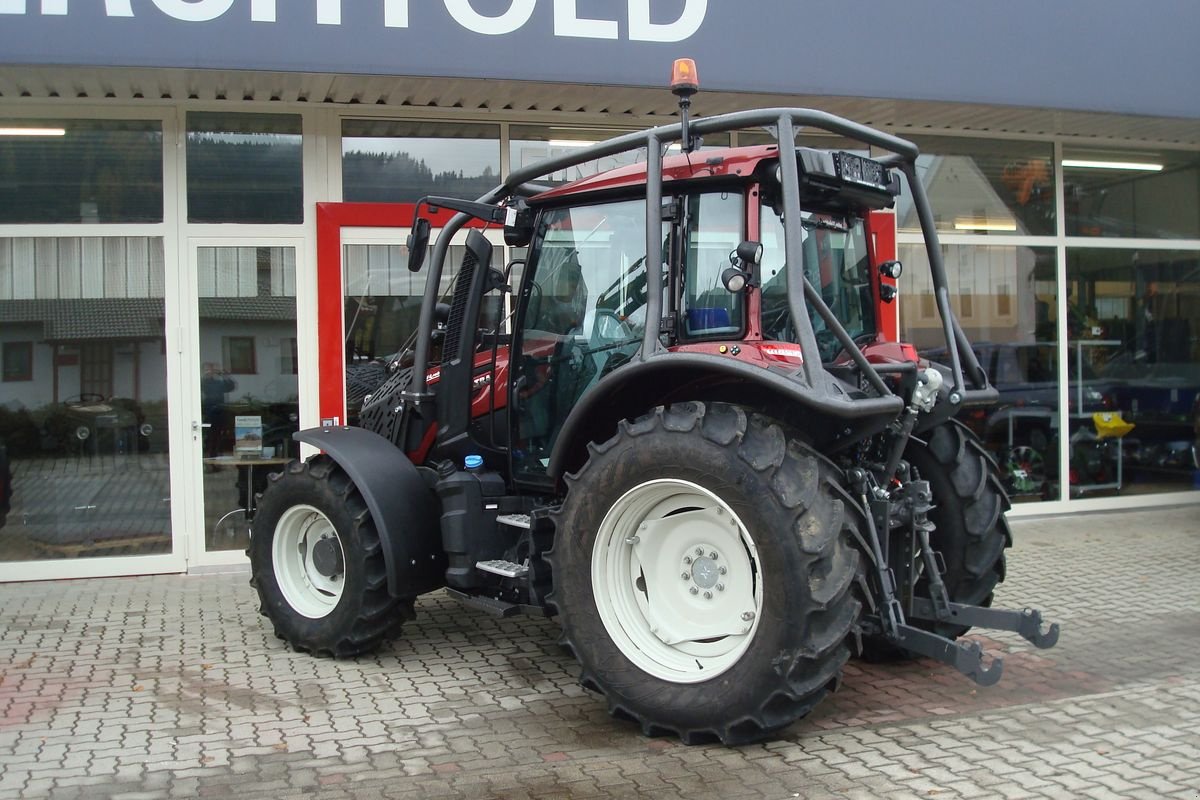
(405, 509)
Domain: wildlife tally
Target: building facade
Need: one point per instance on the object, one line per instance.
(182, 180)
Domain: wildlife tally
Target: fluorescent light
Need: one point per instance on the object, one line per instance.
(1141, 166)
(570, 143)
(965, 224)
(33, 131)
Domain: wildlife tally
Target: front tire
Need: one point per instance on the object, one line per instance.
(674, 642)
(317, 563)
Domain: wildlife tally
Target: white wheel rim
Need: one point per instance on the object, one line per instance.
(670, 606)
(307, 590)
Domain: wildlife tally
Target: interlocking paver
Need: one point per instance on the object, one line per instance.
(173, 687)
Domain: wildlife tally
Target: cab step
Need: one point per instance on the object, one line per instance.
(506, 569)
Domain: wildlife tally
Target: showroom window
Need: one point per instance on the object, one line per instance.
(983, 187)
(394, 161)
(1014, 335)
(529, 144)
(85, 396)
(1143, 194)
(1133, 327)
(245, 168)
(81, 171)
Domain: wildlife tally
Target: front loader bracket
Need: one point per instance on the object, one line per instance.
(1026, 623)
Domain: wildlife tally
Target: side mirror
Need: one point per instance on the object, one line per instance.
(418, 243)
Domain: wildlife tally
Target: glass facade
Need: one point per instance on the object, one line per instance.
(83, 417)
(245, 168)
(81, 171)
(983, 187)
(392, 161)
(249, 389)
(1142, 194)
(1133, 326)
(1004, 298)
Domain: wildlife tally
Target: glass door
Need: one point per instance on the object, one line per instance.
(246, 390)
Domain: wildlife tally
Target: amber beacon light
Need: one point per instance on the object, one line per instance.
(684, 81)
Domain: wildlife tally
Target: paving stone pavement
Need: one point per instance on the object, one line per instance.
(171, 686)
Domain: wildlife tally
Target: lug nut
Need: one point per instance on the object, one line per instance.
(723, 570)
(713, 555)
(694, 590)
(687, 559)
(708, 595)
(720, 587)
(684, 575)
(699, 551)
(747, 616)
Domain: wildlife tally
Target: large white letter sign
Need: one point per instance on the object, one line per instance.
(194, 10)
(568, 23)
(58, 8)
(395, 13)
(262, 10)
(517, 15)
(641, 29)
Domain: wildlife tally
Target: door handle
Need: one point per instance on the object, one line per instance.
(196, 426)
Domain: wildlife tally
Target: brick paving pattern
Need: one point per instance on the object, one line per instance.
(167, 687)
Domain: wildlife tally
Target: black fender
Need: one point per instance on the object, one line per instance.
(405, 508)
(826, 413)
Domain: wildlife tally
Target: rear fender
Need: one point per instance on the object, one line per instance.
(405, 509)
(826, 416)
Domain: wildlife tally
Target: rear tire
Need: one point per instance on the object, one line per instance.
(771, 640)
(970, 502)
(317, 563)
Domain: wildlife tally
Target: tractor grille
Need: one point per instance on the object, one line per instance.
(458, 305)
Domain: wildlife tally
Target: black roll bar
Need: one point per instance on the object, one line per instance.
(902, 154)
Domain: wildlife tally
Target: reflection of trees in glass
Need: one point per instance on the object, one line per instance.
(400, 178)
(245, 181)
(92, 174)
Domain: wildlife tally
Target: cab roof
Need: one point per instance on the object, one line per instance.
(724, 162)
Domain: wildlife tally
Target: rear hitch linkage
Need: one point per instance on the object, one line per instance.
(892, 619)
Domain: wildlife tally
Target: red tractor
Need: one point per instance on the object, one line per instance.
(676, 425)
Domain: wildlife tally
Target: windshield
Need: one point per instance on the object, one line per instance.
(836, 264)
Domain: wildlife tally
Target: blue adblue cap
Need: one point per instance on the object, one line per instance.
(473, 462)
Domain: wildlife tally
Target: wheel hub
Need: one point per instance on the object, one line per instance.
(308, 560)
(705, 573)
(327, 557)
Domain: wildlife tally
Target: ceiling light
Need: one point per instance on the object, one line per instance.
(966, 224)
(570, 143)
(1140, 166)
(33, 131)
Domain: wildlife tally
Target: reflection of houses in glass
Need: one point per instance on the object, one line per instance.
(82, 322)
(992, 287)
